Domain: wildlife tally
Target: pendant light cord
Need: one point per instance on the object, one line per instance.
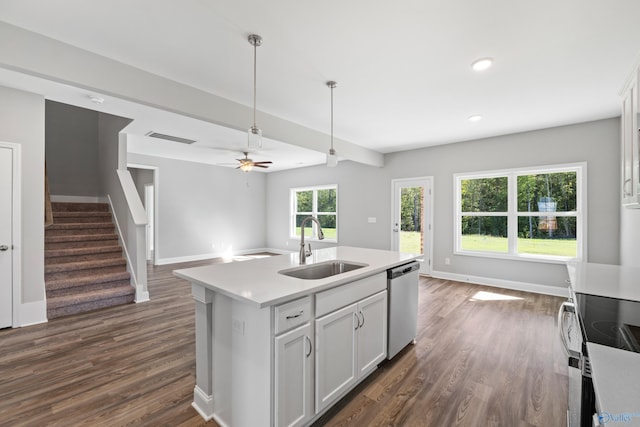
(332, 86)
(255, 48)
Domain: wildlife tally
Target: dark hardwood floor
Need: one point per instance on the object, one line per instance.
(477, 362)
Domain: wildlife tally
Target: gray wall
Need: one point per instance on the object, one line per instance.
(141, 177)
(366, 191)
(200, 205)
(71, 150)
(22, 122)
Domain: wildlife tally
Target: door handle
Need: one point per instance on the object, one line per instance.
(4, 248)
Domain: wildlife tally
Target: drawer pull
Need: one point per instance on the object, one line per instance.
(293, 316)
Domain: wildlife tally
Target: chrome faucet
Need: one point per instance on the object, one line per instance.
(305, 253)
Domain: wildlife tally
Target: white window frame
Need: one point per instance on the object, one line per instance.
(512, 213)
(293, 211)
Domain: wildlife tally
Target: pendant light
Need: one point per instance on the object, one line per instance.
(255, 134)
(332, 156)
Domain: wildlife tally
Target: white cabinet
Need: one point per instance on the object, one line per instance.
(350, 342)
(294, 377)
(630, 147)
(372, 339)
(293, 363)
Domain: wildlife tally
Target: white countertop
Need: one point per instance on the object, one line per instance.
(616, 380)
(615, 372)
(605, 280)
(257, 282)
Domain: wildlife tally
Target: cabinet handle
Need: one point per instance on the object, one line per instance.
(4, 248)
(362, 314)
(310, 346)
(355, 315)
(295, 315)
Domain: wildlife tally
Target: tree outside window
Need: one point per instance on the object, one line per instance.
(320, 202)
(534, 213)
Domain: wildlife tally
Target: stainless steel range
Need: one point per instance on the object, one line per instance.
(604, 309)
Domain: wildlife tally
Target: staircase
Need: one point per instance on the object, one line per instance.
(84, 266)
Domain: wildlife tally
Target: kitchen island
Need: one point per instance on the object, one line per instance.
(273, 349)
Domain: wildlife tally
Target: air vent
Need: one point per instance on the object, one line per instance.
(170, 137)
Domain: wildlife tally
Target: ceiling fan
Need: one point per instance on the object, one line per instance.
(247, 164)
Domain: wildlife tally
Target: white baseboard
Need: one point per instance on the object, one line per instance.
(561, 291)
(202, 257)
(203, 404)
(32, 313)
(77, 199)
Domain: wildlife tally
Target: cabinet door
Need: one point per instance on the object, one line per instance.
(293, 377)
(372, 332)
(335, 355)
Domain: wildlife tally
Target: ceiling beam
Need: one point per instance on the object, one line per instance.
(34, 54)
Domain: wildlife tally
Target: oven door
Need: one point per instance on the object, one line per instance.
(571, 337)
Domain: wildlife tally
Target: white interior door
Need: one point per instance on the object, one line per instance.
(6, 240)
(411, 229)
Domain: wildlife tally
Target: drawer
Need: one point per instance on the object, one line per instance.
(292, 314)
(341, 296)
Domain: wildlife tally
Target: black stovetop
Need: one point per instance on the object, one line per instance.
(610, 321)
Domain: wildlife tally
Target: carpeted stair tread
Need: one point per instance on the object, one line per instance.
(87, 250)
(84, 265)
(81, 244)
(79, 237)
(79, 225)
(87, 279)
(90, 306)
(83, 273)
(79, 207)
(81, 217)
(72, 229)
(96, 214)
(91, 296)
(113, 253)
(64, 291)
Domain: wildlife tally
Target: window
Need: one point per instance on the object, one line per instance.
(536, 214)
(320, 202)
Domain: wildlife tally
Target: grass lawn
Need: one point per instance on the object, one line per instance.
(329, 233)
(556, 247)
(410, 242)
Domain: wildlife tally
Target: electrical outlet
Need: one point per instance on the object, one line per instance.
(447, 261)
(372, 220)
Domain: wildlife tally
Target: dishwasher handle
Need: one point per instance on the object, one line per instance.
(401, 270)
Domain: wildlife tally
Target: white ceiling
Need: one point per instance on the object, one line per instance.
(403, 68)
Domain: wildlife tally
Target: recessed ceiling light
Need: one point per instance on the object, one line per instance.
(482, 64)
(475, 118)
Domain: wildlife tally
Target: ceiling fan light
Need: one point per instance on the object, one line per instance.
(254, 137)
(332, 158)
(246, 167)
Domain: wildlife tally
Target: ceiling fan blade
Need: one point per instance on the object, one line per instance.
(261, 163)
(261, 166)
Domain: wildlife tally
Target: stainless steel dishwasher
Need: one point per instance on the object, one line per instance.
(402, 286)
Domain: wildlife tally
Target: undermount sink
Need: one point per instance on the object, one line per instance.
(322, 270)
